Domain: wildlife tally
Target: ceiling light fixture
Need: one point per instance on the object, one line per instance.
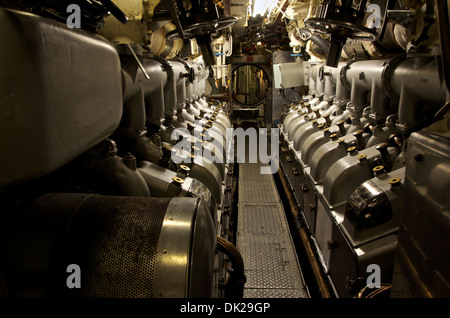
(261, 6)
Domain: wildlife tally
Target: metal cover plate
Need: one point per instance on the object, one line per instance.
(264, 240)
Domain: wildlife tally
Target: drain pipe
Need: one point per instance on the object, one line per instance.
(306, 242)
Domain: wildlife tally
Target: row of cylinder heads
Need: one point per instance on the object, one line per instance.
(350, 133)
(164, 103)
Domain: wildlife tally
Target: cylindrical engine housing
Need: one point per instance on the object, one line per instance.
(125, 247)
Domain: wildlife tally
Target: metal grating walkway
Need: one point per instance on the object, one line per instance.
(264, 240)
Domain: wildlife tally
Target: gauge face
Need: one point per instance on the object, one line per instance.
(250, 85)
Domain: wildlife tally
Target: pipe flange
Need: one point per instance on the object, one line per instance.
(165, 64)
(386, 74)
(343, 73)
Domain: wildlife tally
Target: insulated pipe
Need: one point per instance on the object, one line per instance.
(414, 82)
(189, 76)
(197, 85)
(326, 106)
(342, 97)
(190, 92)
(316, 85)
(200, 86)
(180, 74)
(136, 89)
(156, 93)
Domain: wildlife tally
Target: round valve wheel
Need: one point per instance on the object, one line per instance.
(201, 28)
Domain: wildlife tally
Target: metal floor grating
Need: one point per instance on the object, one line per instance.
(264, 240)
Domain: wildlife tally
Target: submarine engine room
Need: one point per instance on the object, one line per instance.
(224, 149)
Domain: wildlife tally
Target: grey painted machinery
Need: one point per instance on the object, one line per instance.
(93, 178)
(89, 129)
(347, 150)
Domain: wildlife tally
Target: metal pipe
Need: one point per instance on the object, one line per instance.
(238, 278)
(323, 44)
(367, 77)
(180, 74)
(414, 94)
(306, 242)
(118, 171)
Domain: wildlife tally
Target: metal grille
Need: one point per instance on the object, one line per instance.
(114, 241)
(263, 238)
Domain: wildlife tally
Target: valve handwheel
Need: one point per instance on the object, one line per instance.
(348, 30)
(202, 28)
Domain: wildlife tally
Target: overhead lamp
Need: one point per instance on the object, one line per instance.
(260, 7)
